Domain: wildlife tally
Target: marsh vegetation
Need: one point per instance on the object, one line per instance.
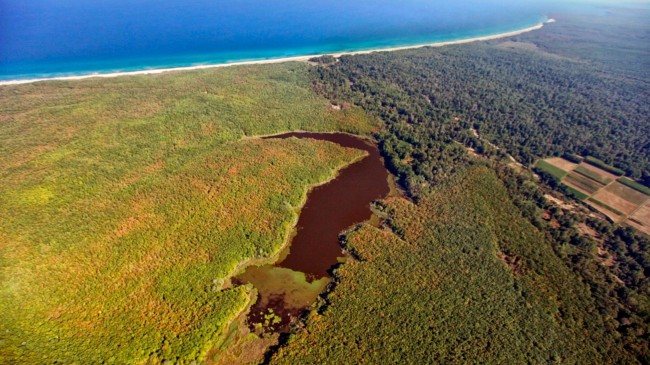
(126, 204)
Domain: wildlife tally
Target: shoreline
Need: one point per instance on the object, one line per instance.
(293, 225)
(288, 238)
(280, 60)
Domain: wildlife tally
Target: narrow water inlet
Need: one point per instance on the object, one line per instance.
(291, 285)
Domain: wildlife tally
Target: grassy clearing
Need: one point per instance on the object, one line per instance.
(126, 202)
(477, 284)
(598, 163)
(582, 170)
(634, 185)
(555, 171)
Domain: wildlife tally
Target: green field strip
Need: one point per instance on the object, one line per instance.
(601, 164)
(592, 175)
(555, 171)
(579, 194)
(634, 185)
(590, 186)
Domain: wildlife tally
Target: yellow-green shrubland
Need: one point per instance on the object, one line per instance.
(460, 278)
(125, 203)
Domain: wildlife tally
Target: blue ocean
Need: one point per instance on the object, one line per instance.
(48, 38)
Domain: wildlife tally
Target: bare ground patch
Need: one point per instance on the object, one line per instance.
(609, 198)
(515, 263)
(627, 193)
(561, 163)
(559, 202)
(585, 230)
(641, 219)
(615, 217)
(605, 258)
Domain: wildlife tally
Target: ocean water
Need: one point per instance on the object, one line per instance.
(48, 38)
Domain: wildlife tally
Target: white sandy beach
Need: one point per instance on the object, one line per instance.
(278, 60)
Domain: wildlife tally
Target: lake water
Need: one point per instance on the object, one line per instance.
(291, 285)
(45, 38)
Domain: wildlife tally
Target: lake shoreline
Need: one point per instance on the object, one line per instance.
(290, 230)
(290, 285)
(304, 58)
(293, 225)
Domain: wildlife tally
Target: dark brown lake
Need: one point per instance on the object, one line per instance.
(335, 206)
(292, 285)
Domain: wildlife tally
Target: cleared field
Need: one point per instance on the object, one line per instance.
(126, 204)
(582, 183)
(624, 192)
(634, 185)
(613, 196)
(615, 201)
(641, 219)
(562, 163)
(595, 173)
(614, 215)
(557, 172)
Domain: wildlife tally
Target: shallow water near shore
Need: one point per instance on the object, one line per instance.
(291, 285)
(41, 38)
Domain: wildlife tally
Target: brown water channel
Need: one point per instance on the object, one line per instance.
(291, 285)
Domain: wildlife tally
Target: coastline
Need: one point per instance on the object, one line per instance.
(280, 60)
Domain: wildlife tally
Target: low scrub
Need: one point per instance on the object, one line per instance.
(473, 274)
(127, 202)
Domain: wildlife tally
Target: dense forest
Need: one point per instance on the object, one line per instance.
(613, 43)
(558, 91)
(459, 278)
(613, 260)
(528, 101)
